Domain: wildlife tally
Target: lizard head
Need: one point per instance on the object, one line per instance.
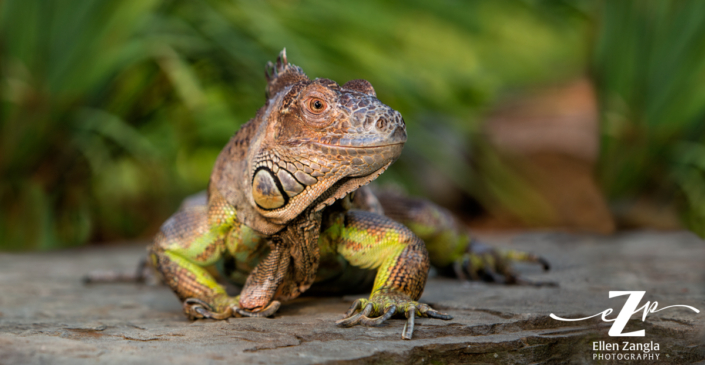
(318, 142)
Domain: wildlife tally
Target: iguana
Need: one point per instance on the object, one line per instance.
(282, 213)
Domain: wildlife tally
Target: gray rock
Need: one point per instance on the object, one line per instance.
(47, 315)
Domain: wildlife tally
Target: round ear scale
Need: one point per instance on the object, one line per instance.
(266, 190)
(362, 86)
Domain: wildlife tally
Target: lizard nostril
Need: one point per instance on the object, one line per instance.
(382, 123)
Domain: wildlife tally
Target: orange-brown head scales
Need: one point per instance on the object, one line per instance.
(313, 142)
(319, 136)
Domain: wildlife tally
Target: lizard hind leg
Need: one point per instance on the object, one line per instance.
(482, 262)
(450, 247)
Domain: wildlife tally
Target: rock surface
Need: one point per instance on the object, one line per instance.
(47, 315)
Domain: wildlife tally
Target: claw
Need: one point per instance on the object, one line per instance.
(472, 268)
(196, 308)
(353, 308)
(432, 313)
(459, 269)
(351, 321)
(482, 262)
(497, 278)
(390, 304)
(423, 310)
(408, 330)
(374, 322)
(515, 255)
(202, 311)
(266, 312)
(544, 263)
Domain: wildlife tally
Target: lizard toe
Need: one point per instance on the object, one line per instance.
(198, 309)
(268, 311)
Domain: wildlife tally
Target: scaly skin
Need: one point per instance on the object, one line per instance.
(450, 245)
(372, 241)
(280, 214)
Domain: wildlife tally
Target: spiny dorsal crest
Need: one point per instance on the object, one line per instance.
(282, 74)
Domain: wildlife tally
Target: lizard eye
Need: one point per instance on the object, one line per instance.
(316, 105)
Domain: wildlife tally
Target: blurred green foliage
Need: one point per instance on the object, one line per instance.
(649, 68)
(113, 110)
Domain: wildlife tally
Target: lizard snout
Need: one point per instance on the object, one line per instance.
(399, 135)
(393, 125)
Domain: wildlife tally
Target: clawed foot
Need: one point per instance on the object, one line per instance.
(482, 262)
(381, 307)
(196, 309)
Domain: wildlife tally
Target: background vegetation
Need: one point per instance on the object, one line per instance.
(111, 111)
(649, 68)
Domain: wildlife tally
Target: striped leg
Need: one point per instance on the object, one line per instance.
(372, 241)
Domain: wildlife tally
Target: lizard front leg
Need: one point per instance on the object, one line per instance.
(289, 269)
(180, 252)
(193, 239)
(372, 241)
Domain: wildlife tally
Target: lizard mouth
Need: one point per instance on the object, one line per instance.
(346, 185)
(366, 160)
(338, 147)
(359, 156)
(364, 143)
